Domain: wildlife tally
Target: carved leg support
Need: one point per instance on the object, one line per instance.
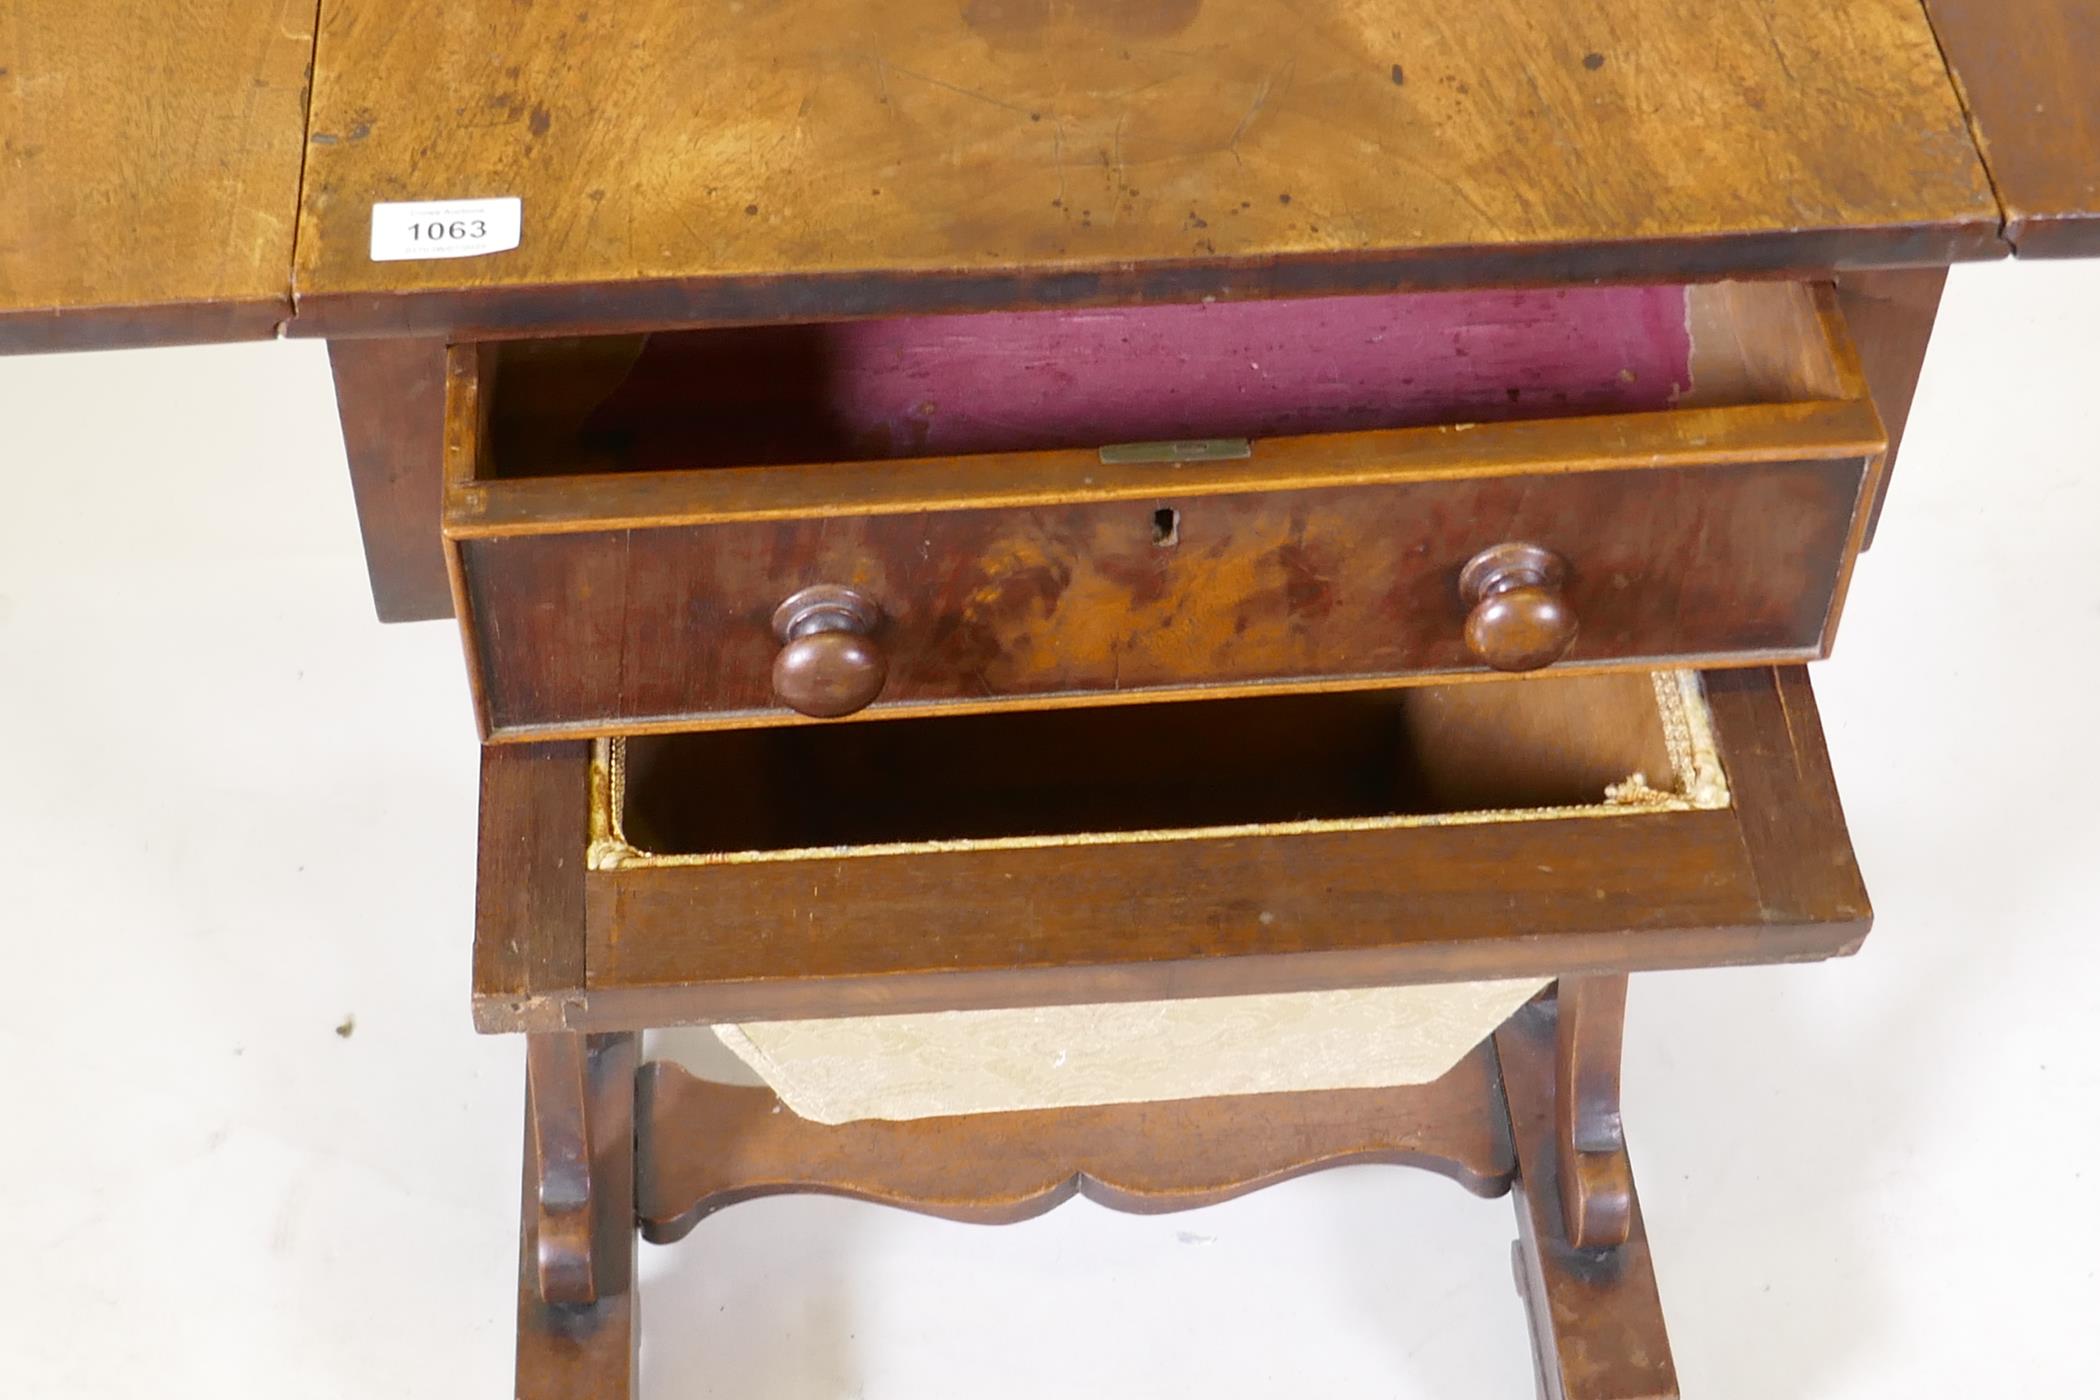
(1551, 1122)
(1596, 1321)
(557, 1076)
(576, 1313)
(1596, 1180)
(705, 1146)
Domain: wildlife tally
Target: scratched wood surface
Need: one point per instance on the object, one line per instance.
(149, 168)
(768, 161)
(2030, 74)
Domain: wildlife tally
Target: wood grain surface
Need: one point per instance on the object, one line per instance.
(637, 629)
(391, 399)
(705, 1146)
(829, 160)
(2029, 72)
(1792, 826)
(149, 168)
(390, 395)
(1890, 314)
(535, 820)
(1139, 921)
(777, 162)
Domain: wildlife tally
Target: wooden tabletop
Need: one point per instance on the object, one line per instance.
(773, 159)
(149, 168)
(2029, 72)
(684, 162)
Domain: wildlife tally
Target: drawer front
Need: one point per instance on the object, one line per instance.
(674, 626)
(629, 518)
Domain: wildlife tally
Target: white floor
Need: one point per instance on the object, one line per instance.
(250, 1147)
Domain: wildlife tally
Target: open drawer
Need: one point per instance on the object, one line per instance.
(1130, 853)
(940, 514)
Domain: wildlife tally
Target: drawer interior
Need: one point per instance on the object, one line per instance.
(1606, 744)
(906, 387)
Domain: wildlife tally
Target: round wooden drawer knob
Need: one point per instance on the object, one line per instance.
(1519, 621)
(829, 664)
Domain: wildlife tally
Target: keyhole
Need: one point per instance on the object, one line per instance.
(1166, 527)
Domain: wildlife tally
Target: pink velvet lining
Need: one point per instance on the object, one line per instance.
(938, 385)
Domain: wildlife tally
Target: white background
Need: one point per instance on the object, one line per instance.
(237, 812)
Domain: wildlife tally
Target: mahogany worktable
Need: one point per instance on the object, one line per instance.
(204, 170)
